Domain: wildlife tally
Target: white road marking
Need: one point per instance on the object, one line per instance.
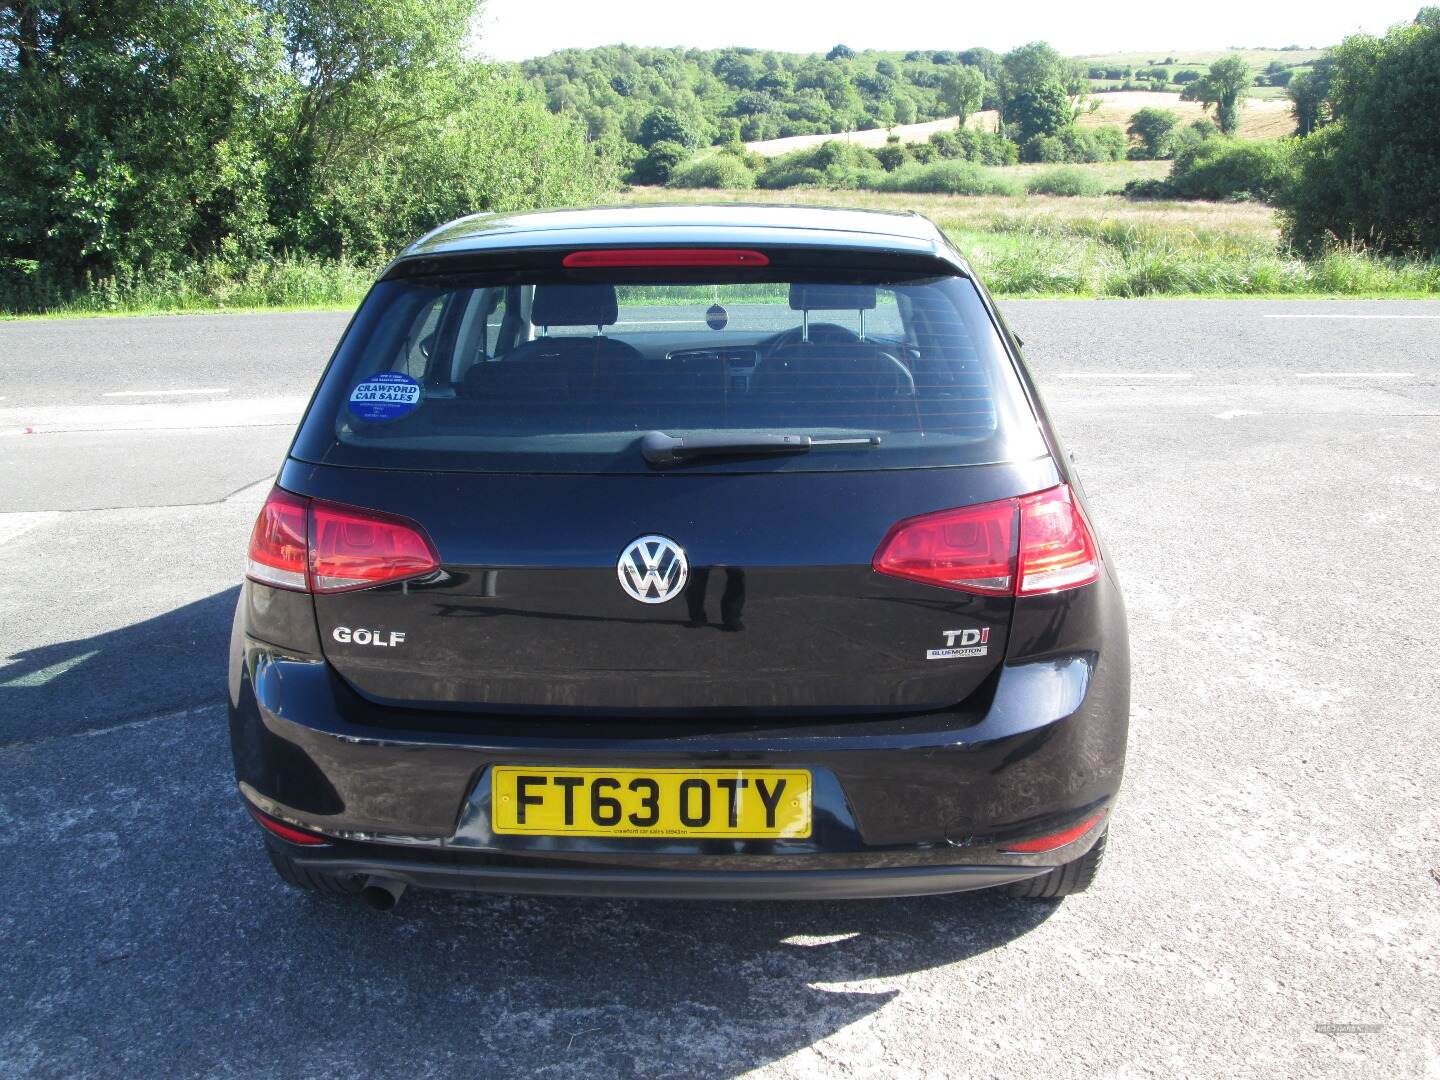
(14, 525)
(1231, 414)
(1350, 316)
(166, 393)
(46, 674)
(1355, 375)
(1126, 375)
(151, 415)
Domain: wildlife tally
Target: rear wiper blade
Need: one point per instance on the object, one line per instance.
(660, 449)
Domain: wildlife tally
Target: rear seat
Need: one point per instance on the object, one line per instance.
(819, 386)
(685, 391)
(954, 399)
(813, 385)
(591, 382)
(603, 389)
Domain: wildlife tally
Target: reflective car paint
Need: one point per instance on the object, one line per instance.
(940, 771)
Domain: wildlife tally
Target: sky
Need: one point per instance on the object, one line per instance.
(518, 29)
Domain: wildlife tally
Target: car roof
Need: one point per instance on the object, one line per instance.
(730, 224)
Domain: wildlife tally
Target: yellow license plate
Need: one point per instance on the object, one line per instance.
(739, 803)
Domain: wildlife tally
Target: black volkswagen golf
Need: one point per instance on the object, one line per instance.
(679, 552)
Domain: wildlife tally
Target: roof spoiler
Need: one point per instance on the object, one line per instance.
(785, 263)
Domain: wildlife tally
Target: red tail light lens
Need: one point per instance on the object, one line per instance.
(643, 257)
(286, 832)
(1056, 548)
(1035, 544)
(309, 545)
(1055, 840)
(355, 549)
(972, 548)
(278, 545)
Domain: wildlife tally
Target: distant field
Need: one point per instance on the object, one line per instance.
(871, 137)
(1262, 118)
(1114, 175)
(1259, 119)
(1258, 59)
(1110, 246)
(1263, 93)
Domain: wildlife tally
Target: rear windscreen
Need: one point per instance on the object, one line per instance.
(564, 376)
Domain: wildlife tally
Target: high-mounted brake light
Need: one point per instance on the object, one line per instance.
(632, 258)
(313, 546)
(1022, 547)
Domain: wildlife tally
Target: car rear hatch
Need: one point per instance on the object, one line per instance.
(511, 422)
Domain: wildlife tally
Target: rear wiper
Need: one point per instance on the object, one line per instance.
(660, 449)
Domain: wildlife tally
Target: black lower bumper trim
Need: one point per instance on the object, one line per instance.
(685, 884)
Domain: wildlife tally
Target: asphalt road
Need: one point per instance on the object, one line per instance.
(1266, 477)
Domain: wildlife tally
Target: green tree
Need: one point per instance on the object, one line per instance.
(663, 125)
(1033, 82)
(1038, 62)
(738, 69)
(151, 135)
(1222, 87)
(1309, 94)
(1372, 175)
(659, 163)
(777, 83)
(129, 135)
(1227, 168)
(986, 60)
(752, 103)
(1039, 109)
(891, 156)
(962, 91)
(833, 81)
(1155, 128)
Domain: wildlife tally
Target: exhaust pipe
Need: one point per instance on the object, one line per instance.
(382, 893)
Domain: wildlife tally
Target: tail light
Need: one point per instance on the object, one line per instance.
(279, 549)
(1056, 548)
(354, 549)
(972, 548)
(1013, 547)
(314, 546)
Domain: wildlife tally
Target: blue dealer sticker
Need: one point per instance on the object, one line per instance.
(386, 396)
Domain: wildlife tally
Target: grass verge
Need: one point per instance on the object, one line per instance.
(1107, 246)
(1036, 245)
(275, 284)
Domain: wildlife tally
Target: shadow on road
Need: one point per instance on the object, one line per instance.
(635, 988)
(150, 937)
(173, 661)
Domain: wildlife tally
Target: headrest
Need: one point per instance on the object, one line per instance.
(812, 297)
(574, 305)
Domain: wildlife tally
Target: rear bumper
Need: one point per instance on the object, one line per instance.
(677, 884)
(902, 805)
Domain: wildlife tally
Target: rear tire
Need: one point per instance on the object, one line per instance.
(1065, 880)
(300, 877)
